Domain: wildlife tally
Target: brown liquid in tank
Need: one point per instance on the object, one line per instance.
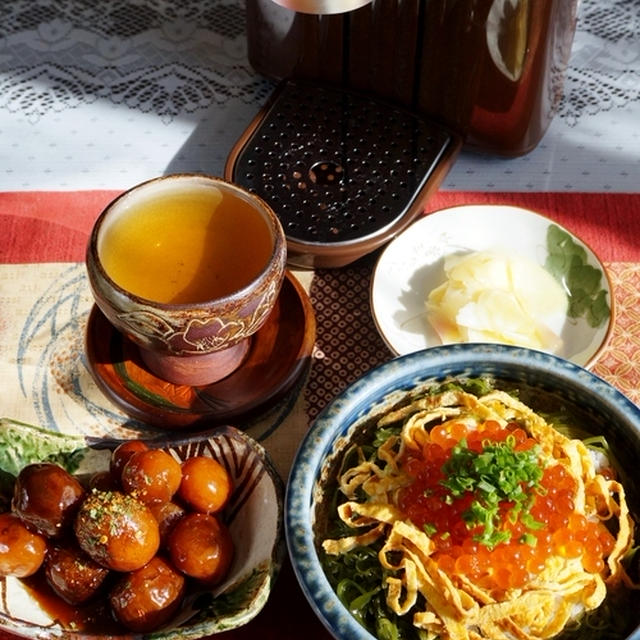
(490, 69)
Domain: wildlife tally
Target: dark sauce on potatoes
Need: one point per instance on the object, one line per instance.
(93, 617)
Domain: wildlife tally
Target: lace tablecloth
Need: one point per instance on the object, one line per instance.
(105, 95)
(96, 97)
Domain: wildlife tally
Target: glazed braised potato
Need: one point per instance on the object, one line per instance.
(116, 530)
(167, 514)
(103, 481)
(145, 599)
(121, 454)
(21, 551)
(72, 574)
(201, 547)
(206, 485)
(46, 497)
(153, 475)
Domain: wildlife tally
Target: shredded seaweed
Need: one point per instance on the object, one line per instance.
(357, 578)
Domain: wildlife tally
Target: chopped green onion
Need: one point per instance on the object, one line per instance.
(498, 474)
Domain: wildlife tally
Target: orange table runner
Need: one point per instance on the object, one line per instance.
(40, 226)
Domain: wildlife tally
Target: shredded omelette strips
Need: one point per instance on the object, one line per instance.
(456, 607)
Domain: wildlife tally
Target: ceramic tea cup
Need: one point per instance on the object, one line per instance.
(188, 267)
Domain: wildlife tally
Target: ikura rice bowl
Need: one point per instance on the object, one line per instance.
(464, 511)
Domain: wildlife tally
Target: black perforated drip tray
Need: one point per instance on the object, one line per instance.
(337, 166)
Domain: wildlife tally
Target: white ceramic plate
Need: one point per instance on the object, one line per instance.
(412, 265)
(254, 517)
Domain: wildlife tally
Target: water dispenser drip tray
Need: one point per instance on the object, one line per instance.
(343, 171)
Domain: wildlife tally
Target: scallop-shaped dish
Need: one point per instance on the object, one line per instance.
(253, 515)
(492, 273)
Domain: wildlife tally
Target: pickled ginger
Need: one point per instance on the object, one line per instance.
(494, 297)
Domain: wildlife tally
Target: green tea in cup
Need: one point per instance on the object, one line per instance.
(185, 243)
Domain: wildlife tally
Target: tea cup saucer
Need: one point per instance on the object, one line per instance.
(278, 355)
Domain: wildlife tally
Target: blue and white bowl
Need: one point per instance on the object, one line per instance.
(539, 375)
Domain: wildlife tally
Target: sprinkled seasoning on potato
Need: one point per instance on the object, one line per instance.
(152, 476)
(117, 530)
(72, 574)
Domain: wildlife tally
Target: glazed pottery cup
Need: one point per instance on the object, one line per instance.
(188, 267)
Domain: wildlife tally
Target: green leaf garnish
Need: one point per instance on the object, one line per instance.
(22, 444)
(567, 262)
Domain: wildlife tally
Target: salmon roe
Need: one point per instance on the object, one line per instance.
(554, 527)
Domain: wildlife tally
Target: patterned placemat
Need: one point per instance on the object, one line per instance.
(348, 344)
(619, 364)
